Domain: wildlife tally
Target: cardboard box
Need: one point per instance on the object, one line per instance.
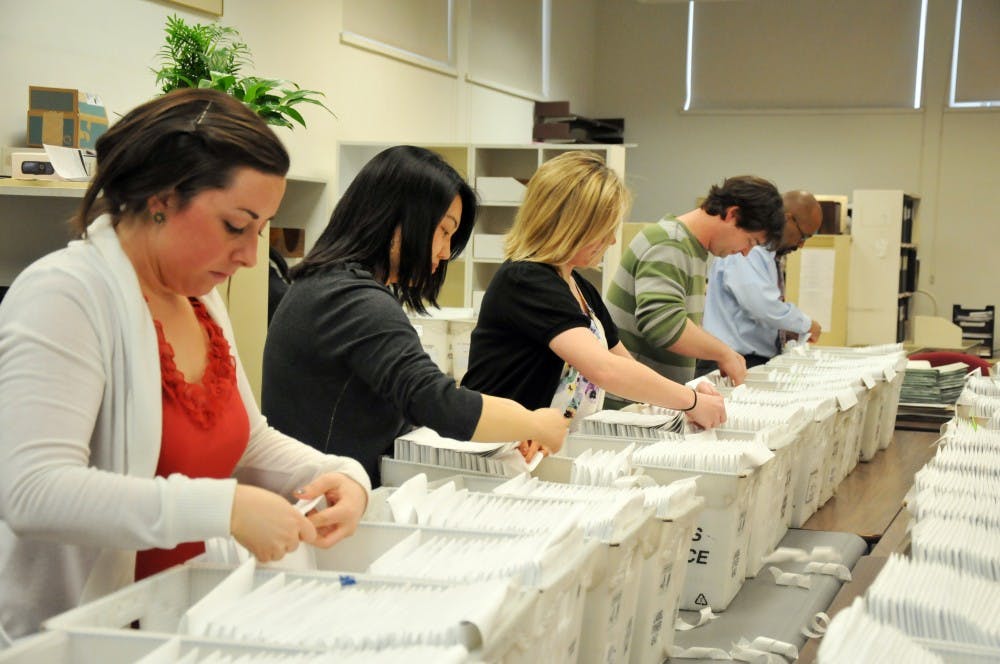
(64, 116)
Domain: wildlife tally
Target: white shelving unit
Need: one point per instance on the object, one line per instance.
(883, 264)
(495, 170)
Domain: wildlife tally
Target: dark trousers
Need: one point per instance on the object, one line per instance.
(702, 367)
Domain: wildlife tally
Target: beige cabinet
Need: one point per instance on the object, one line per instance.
(817, 280)
(883, 265)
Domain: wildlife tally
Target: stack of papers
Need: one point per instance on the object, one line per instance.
(854, 636)
(926, 384)
(324, 612)
(423, 445)
(719, 456)
(936, 602)
(171, 652)
(654, 423)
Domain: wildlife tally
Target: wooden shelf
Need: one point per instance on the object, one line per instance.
(62, 188)
(46, 188)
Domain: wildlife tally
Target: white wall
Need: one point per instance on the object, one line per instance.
(109, 46)
(948, 157)
(610, 58)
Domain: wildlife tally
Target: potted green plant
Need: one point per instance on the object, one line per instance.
(213, 56)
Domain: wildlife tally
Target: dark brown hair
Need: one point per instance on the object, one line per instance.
(183, 142)
(760, 205)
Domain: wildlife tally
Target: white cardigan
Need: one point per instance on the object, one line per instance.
(80, 427)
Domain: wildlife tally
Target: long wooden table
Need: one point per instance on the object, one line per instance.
(871, 496)
(869, 503)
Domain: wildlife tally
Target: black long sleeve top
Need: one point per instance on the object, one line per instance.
(345, 372)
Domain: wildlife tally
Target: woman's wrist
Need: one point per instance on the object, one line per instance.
(692, 406)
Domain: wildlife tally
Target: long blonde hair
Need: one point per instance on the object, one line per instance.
(571, 201)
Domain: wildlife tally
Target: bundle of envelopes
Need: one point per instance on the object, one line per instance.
(926, 384)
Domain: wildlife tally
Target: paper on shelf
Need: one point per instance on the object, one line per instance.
(73, 164)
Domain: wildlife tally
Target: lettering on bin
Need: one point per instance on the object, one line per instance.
(736, 563)
(657, 626)
(699, 556)
(665, 579)
(616, 605)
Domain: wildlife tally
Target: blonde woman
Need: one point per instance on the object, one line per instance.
(544, 336)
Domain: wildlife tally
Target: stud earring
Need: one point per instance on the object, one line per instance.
(159, 217)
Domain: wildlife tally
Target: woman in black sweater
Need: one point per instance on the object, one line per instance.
(343, 367)
(544, 336)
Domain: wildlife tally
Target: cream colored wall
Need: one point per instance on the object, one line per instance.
(947, 156)
(109, 46)
(610, 57)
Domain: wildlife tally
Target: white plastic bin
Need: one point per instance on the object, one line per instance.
(610, 601)
(662, 577)
(717, 555)
(662, 565)
(160, 601)
(717, 559)
(557, 617)
(771, 509)
(119, 647)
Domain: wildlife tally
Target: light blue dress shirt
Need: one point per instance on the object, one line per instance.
(743, 305)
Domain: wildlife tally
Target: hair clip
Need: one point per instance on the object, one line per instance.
(202, 115)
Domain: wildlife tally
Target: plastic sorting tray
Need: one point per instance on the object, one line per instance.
(771, 510)
(717, 556)
(717, 560)
(842, 449)
(124, 647)
(662, 577)
(875, 380)
(890, 408)
(850, 451)
(816, 437)
(663, 568)
(557, 618)
(611, 596)
(868, 438)
(159, 602)
(814, 444)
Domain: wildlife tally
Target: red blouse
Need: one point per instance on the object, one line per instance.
(205, 428)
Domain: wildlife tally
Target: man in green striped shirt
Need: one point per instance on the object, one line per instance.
(657, 297)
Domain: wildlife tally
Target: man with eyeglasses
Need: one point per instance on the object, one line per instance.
(745, 302)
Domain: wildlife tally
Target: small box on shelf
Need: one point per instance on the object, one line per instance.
(64, 116)
(500, 189)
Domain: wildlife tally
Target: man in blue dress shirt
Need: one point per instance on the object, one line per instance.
(745, 305)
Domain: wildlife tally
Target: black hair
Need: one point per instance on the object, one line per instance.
(183, 142)
(402, 187)
(761, 207)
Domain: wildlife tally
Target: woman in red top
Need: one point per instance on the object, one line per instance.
(126, 421)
